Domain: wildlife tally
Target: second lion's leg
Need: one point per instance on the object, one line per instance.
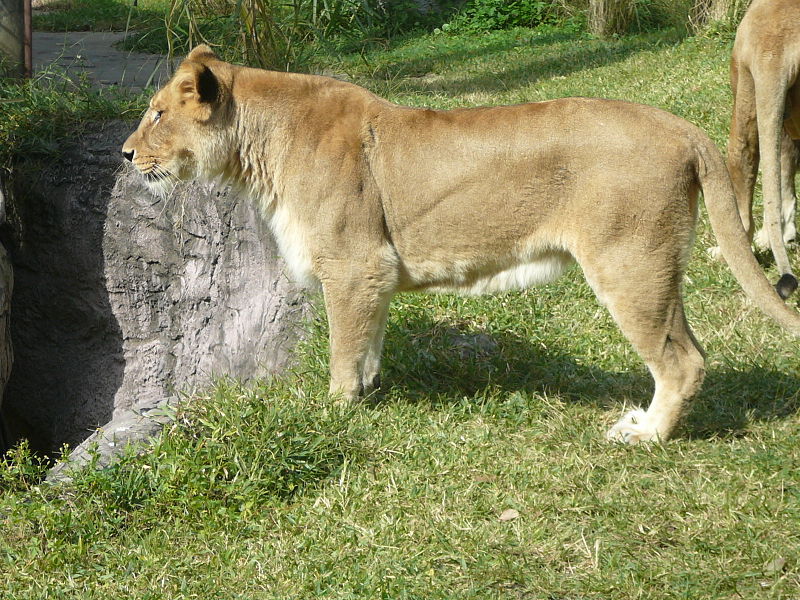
(743, 151)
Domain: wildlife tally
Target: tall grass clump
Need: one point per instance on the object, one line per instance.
(285, 35)
(265, 33)
(717, 16)
(607, 18)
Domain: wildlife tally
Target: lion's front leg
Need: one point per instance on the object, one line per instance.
(357, 309)
(371, 373)
(789, 160)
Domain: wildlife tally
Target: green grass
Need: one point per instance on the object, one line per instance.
(36, 115)
(99, 15)
(491, 403)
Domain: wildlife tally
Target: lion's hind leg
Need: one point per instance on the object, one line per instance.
(644, 299)
(788, 196)
(676, 361)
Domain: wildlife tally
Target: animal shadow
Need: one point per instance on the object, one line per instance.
(435, 361)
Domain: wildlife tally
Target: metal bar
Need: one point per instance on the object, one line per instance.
(28, 25)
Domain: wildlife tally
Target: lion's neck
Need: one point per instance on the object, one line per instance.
(261, 124)
(252, 163)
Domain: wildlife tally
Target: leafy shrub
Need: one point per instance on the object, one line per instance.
(20, 468)
(489, 15)
(283, 35)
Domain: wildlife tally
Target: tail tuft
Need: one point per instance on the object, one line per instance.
(786, 285)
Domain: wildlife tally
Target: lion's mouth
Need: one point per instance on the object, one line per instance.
(157, 174)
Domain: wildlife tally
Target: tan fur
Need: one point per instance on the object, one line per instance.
(766, 119)
(367, 199)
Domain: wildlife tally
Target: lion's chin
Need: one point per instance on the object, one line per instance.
(160, 183)
(162, 188)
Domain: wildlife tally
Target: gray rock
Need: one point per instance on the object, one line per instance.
(124, 300)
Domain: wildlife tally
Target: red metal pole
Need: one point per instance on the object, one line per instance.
(28, 43)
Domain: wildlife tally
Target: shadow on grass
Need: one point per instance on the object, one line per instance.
(545, 56)
(428, 358)
(430, 361)
(731, 399)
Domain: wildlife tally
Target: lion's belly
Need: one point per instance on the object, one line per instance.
(470, 277)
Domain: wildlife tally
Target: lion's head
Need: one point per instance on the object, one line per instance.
(183, 133)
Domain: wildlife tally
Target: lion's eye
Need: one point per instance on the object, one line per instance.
(157, 116)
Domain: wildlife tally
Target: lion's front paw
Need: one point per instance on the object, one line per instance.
(633, 428)
(715, 252)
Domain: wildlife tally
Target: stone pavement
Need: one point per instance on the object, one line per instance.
(95, 55)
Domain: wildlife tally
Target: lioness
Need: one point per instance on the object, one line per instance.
(367, 198)
(766, 120)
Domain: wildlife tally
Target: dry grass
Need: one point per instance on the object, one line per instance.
(609, 17)
(717, 14)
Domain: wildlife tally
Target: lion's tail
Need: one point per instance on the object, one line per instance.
(727, 225)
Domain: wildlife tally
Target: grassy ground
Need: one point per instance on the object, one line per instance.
(482, 470)
(36, 115)
(98, 15)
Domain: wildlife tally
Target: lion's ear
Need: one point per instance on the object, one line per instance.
(198, 88)
(201, 52)
(199, 83)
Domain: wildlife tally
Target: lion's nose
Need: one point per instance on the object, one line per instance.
(128, 154)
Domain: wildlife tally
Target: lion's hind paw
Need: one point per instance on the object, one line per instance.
(633, 428)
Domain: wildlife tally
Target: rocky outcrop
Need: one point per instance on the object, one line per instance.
(124, 300)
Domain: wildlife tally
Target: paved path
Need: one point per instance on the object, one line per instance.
(94, 55)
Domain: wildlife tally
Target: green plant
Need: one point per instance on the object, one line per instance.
(489, 15)
(267, 33)
(20, 469)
